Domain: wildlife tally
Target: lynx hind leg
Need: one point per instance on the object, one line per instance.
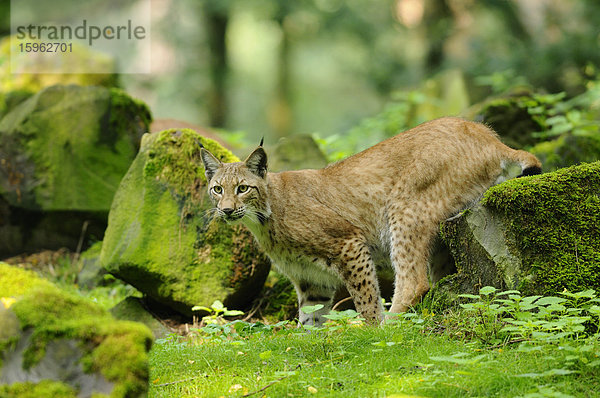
(357, 270)
(310, 294)
(412, 231)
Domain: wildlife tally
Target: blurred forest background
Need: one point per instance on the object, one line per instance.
(275, 68)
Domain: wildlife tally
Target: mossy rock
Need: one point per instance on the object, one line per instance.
(567, 150)
(67, 147)
(134, 309)
(296, 152)
(538, 234)
(508, 115)
(161, 237)
(67, 344)
(63, 153)
(45, 388)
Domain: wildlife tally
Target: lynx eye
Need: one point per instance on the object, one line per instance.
(242, 188)
(217, 189)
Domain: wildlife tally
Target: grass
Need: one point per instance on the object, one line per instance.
(420, 354)
(357, 362)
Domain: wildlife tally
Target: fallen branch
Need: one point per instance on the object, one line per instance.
(179, 381)
(270, 384)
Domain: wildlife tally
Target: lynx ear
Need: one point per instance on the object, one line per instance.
(211, 163)
(257, 162)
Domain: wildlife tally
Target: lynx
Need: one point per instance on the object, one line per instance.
(328, 227)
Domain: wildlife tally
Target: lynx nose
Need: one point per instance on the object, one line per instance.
(228, 211)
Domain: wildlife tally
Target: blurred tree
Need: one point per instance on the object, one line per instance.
(216, 14)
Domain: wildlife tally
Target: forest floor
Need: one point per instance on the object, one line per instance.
(496, 344)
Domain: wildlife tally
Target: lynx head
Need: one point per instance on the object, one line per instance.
(238, 190)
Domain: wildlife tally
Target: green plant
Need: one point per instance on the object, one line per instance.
(216, 313)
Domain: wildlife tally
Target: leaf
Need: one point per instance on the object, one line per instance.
(551, 372)
(486, 290)
(514, 293)
(265, 355)
(233, 313)
(550, 300)
(309, 309)
(235, 387)
(458, 359)
(341, 315)
(201, 308)
(217, 305)
(7, 301)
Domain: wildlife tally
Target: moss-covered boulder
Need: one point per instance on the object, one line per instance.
(20, 77)
(567, 150)
(538, 234)
(296, 152)
(510, 117)
(63, 153)
(162, 239)
(66, 344)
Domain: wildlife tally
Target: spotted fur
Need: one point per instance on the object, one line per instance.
(324, 228)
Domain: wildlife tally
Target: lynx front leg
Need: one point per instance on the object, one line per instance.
(357, 270)
(310, 294)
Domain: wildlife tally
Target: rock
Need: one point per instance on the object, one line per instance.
(567, 150)
(63, 153)
(92, 273)
(509, 116)
(159, 125)
(45, 388)
(68, 340)
(538, 234)
(295, 152)
(133, 309)
(161, 238)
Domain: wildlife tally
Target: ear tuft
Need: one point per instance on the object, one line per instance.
(261, 141)
(211, 163)
(257, 162)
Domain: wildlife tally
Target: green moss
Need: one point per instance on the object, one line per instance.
(77, 143)
(555, 218)
(14, 284)
(160, 238)
(45, 388)
(174, 158)
(117, 349)
(567, 150)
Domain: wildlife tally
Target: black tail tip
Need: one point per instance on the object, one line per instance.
(530, 171)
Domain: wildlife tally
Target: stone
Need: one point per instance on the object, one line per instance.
(162, 239)
(537, 234)
(508, 115)
(567, 150)
(296, 152)
(63, 153)
(68, 340)
(133, 309)
(92, 273)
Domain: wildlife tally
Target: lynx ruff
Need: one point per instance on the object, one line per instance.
(329, 227)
